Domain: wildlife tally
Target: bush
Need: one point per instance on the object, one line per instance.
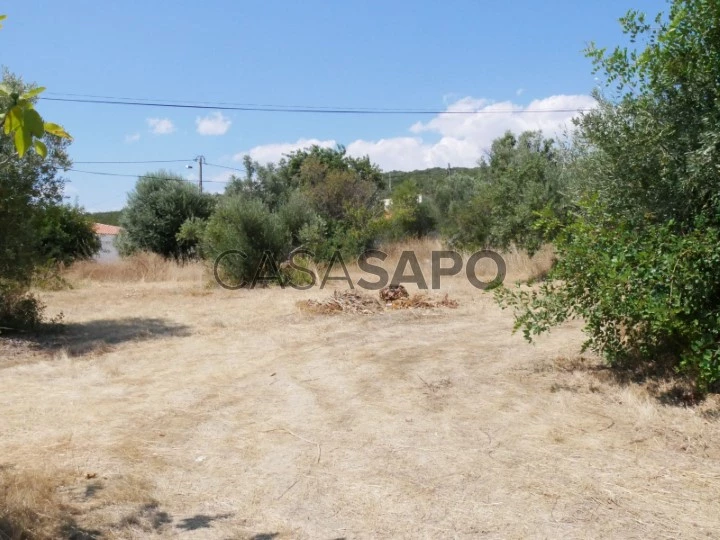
(156, 210)
(521, 177)
(246, 225)
(638, 262)
(66, 234)
(189, 237)
(411, 217)
(19, 309)
(644, 291)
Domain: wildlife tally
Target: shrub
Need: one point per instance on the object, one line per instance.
(245, 225)
(66, 234)
(19, 309)
(644, 291)
(638, 262)
(189, 237)
(410, 215)
(156, 210)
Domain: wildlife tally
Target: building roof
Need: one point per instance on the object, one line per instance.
(101, 228)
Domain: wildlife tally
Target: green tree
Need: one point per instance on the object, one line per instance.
(412, 215)
(247, 225)
(327, 199)
(156, 210)
(66, 234)
(523, 180)
(27, 186)
(638, 259)
(519, 180)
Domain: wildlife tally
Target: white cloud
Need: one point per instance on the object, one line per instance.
(214, 124)
(133, 137)
(160, 126)
(519, 91)
(267, 153)
(456, 139)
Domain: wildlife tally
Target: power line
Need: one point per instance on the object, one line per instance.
(224, 167)
(103, 173)
(303, 109)
(134, 162)
(215, 103)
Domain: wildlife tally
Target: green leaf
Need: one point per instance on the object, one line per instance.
(5, 90)
(14, 120)
(34, 92)
(34, 123)
(57, 130)
(40, 148)
(23, 140)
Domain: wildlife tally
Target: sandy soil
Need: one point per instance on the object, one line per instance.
(174, 410)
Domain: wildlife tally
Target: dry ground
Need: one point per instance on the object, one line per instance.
(171, 409)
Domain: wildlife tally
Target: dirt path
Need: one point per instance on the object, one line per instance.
(171, 410)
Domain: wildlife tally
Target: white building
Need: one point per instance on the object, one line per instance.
(107, 233)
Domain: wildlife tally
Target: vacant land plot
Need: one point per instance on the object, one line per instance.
(171, 409)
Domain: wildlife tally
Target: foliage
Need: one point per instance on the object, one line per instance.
(247, 225)
(642, 292)
(156, 210)
(108, 218)
(66, 234)
(28, 183)
(427, 180)
(19, 309)
(458, 188)
(411, 215)
(21, 122)
(190, 236)
(27, 186)
(298, 214)
(325, 199)
(638, 261)
(518, 180)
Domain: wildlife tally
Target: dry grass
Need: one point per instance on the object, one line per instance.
(219, 414)
(139, 268)
(30, 506)
(520, 267)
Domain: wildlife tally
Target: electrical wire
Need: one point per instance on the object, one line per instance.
(134, 162)
(103, 173)
(303, 109)
(223, 166)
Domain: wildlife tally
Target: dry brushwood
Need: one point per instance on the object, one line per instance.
(422, 301)
(354, 302)
(393, 292)
(346, 302)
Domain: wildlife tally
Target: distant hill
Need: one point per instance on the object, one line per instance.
(425, 178)
(108, 218)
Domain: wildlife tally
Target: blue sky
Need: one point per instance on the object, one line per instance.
(433, 55)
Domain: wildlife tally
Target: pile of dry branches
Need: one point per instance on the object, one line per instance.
(345, 302)
(393, 297)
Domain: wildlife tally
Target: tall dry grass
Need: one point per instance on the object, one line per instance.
(149, 267)
(31, 507)
(141, 267)
(520, 266)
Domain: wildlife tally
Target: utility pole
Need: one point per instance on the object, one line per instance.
(200, 160)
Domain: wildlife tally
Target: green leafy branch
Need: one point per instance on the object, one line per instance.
(23, 123)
